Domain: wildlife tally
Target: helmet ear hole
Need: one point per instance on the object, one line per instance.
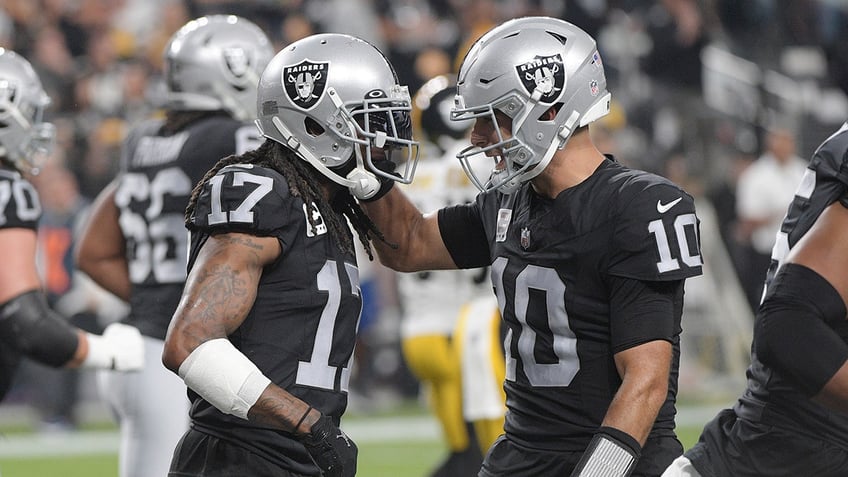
(550, 113)
(312, 127)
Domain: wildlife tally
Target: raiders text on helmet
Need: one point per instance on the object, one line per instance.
(522, 68)
(214, 62)
(333, 99)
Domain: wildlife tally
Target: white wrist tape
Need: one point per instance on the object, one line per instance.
(121, 348)
(99, 355)
(225, 377)
(611, 453)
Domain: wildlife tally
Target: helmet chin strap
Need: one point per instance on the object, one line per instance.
(563, 134)
(509, 186)
(531, 103)
(361, 183)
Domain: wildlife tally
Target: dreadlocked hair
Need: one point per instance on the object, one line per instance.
(304, 182)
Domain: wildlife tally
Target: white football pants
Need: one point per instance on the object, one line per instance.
(151, 407)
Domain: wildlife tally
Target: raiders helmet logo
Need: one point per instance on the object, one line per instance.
(546, 73)
(237, 61)
(305, 82)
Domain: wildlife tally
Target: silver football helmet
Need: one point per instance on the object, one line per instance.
(522, 68)
(214, 62)
(25, 139)
(335, 100)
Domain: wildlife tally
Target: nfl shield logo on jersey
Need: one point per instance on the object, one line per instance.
(305, 82)
(546, 73)
(525, 238)
(320, 226)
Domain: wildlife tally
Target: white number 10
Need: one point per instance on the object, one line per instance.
(667, 261)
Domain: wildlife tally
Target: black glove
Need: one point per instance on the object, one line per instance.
(331, 449)
(386, 184)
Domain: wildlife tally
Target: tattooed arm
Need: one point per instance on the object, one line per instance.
(219, 293)
(219, 290)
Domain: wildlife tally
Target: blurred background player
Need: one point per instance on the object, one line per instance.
(479, 334)
(135, 244)
(432, 301)
(791, 420)
(28, 327)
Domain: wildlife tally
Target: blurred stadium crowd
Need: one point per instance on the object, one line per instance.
(698, 86)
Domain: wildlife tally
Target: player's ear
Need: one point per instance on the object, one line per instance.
(550, 113)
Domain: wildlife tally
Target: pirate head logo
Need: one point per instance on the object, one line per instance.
(237, 62)
(546, 73)
(305, 82)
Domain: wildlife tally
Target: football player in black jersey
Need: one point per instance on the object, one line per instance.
(792, 418)
(264, 333)
(588, 259)
(135, 244)
(28, 327)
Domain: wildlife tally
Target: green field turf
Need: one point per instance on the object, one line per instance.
(376, 459)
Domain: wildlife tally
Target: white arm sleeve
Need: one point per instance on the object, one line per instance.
(225, 377)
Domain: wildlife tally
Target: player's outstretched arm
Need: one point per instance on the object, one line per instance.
(616, 447)
(795, 328)
(414, 240)
(101, 252)
(219, 293)
(29, 326)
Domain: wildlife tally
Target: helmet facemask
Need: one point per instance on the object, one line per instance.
(26, 141)
(511, 154)
(385, 123)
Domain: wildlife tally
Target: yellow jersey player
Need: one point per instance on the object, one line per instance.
(433, 301)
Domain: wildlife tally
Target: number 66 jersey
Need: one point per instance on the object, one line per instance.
(554, 267)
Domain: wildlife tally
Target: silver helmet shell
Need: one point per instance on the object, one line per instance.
(213, 63)
(522, 68)
(334, 98)
(25, 138)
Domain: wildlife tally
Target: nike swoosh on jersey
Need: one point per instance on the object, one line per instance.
(663, 208)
